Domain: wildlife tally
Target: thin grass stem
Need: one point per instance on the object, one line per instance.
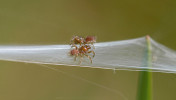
(145, 77)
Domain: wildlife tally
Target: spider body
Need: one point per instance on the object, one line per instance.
(84, 49)
(90, 39)
(74, 52)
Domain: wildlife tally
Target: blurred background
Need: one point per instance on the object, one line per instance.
(56, 21)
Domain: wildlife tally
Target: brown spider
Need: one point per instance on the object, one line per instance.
(82, 51)
(77, 40)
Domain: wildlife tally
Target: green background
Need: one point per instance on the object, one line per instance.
(56, 21)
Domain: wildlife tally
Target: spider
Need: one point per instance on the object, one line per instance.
(82, 51)
(77, 40)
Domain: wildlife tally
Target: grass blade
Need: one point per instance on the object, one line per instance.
(145, 77)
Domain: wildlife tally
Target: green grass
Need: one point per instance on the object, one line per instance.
(145, 77)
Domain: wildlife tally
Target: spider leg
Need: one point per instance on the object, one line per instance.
(73, 45)
(92, 53)
(93, 45)
(89, 58)
(72, 41)
(75, 57)
(80, 61)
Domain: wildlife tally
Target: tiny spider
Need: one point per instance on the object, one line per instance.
(77, 40)
(86, 49)
(82, 51)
